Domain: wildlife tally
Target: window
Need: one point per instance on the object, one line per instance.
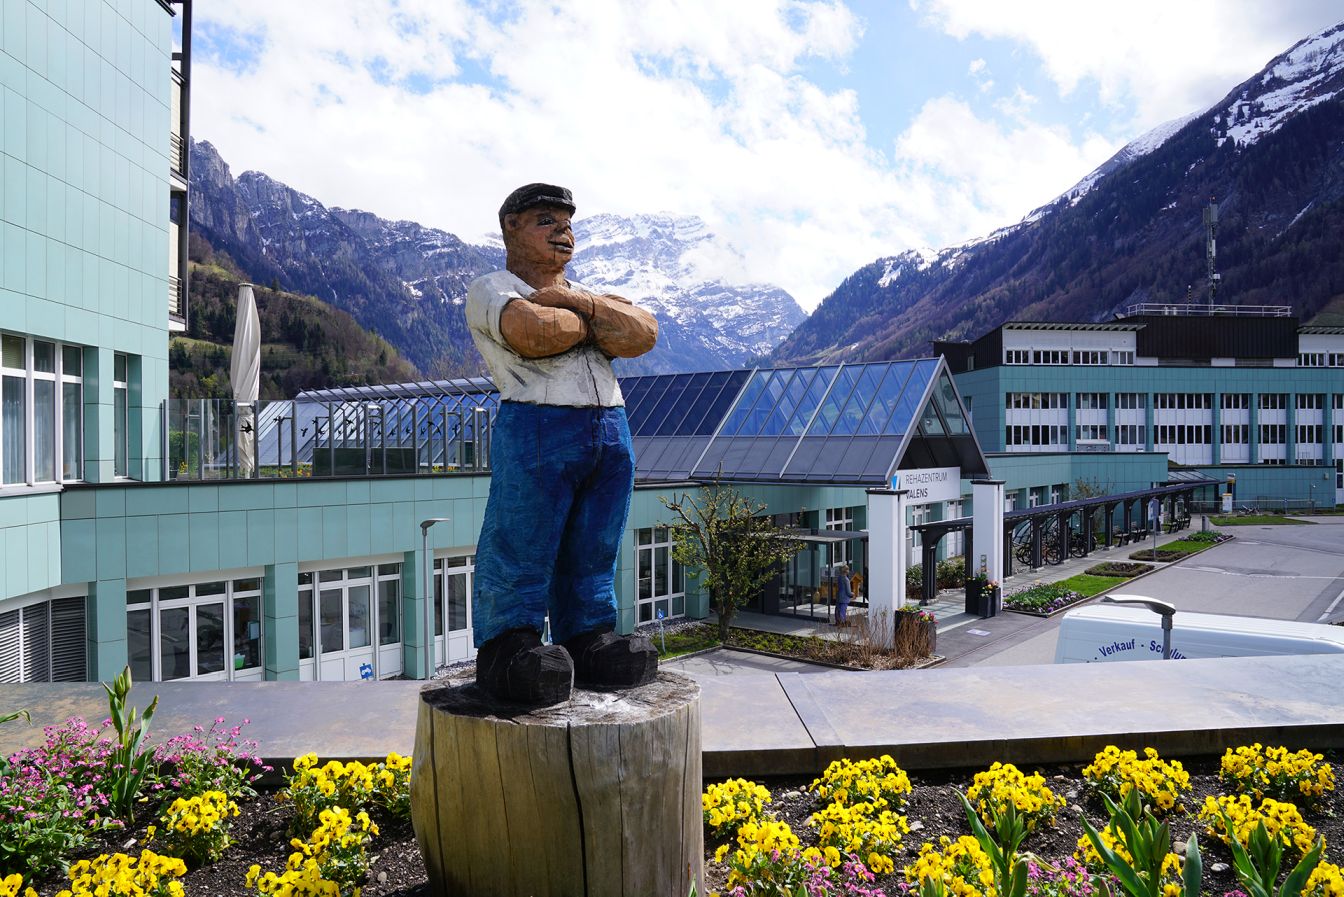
(1337, 359)
(1273, 434)
(1017, 356)
(1131, 401)
(206, 630)
(120, 416)
(1308, 434)
(660, 579)
(14, 408)
(72, 413)
(1311, 360)
(1235, 401)
(1122, 356)
(1129, 434)
(841, 519)
(41, 411)
(1236, 434)
(1273, 401)
(1092, 401)
(1089, 356)
(1091, 432)
(1050, 356)
(1310, 401)
(43, 641)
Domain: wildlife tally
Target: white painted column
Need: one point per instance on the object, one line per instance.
(886, 556)
(987, 532)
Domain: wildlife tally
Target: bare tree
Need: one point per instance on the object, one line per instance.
(721, 538)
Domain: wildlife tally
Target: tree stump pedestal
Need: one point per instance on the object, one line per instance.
(598, 797)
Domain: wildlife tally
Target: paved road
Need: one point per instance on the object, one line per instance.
(1279, 572)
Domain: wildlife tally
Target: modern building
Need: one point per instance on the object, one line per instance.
(1235, 393)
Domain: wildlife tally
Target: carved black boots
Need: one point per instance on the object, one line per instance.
(516, 667)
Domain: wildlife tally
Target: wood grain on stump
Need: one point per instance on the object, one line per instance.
(599, 796)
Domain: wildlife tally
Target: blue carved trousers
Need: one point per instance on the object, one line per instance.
(560, 487)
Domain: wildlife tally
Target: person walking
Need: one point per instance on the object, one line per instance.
(842, 595)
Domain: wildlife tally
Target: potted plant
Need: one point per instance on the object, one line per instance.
(982, 594)
(916, 630)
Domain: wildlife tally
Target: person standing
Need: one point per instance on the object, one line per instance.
(843, 594)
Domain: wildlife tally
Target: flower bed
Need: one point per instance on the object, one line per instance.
(1118, 568)
(864, 827)
(1052, 597)
(917, 838)
(851, 649)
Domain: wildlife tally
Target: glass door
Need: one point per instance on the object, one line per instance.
(454, 605)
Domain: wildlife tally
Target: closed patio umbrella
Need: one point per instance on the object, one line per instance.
(245, 373)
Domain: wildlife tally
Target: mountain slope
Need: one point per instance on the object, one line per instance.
(408, 282)
(1271, 152)
(306, 343)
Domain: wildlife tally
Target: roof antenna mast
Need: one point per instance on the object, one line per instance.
(1211, 248)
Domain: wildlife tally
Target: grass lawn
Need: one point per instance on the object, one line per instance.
(1087, 585)
(1259, 520)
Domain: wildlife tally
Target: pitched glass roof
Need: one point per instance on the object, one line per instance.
(852, 424)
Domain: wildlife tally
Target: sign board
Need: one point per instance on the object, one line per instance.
(929, 485)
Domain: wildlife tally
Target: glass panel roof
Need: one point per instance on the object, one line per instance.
(844, 424)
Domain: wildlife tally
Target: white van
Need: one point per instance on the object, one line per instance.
(1103, 633)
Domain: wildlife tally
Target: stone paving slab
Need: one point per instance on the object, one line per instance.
(789, 723)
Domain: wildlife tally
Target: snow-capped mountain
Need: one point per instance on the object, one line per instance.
(663, 263)
(1272, 155)
(407, 282)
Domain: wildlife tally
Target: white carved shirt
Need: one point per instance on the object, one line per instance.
(581, 377)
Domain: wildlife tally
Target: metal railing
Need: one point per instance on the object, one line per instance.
(1181, 308)
(217, 439)
(175, 296)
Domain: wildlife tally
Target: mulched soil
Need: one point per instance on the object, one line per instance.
(933, 810)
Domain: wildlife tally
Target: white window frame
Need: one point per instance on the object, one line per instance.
(58, 377)
(234, 590)
(384, 658)
(648, 601)
(456, 643)
(121, 392)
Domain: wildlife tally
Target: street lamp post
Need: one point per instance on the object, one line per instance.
(1162, 608)
(427, 568)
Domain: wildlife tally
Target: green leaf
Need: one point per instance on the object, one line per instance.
(1192, 873)
(1120, 868)
(1297, 879)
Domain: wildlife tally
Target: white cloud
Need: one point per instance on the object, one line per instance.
(433, 110)
(1158, 58)
(986, 174)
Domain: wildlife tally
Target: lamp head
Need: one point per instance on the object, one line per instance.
(426, 524)
(1162, 608)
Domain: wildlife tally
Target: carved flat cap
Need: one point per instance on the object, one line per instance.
(536, 195)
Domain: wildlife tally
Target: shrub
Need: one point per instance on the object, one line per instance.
(951, 573)
(1300, 778)
(861, 829)
(119, 875)
(210, 760)
(1115, 773)
(197, 828)
(354, 785)
(52, 798)
(731, 803)
(1002, 784)
(879, 781)
(1282, 821)
(914, 579)
(1044, 599)
(957, 868)
(1117, 568)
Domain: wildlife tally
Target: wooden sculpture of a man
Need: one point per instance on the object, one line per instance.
(562, 467)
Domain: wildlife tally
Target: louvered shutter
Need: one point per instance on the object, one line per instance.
(37, 643)
(67, 641)
(11, 660)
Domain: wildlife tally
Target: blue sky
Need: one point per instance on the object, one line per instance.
(812, 135)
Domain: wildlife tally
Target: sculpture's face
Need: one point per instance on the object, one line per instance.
(539, 237)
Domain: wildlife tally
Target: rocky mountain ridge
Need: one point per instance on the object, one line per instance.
(1271, 154)
(408, 282)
